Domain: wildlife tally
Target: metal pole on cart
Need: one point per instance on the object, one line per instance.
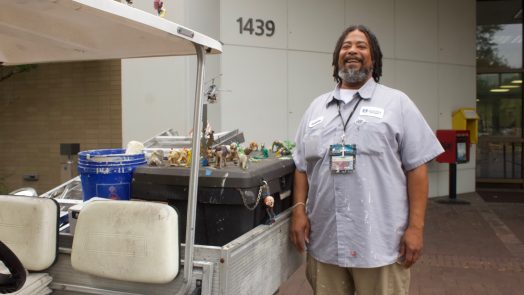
(195, 165)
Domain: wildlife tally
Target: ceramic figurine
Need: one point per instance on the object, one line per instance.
(242, 161)
(178, 156)
(221, 155)
(247, 151)
(265, 152)
(253, 146)
(156, 158)
(282, 148)
(188, 156)
(233, 153)
(172, 157)
(269, 201)
(210, 155)
(159, 7)
(211, 139)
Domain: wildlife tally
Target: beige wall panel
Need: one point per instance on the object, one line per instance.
(389, 72)
(315, 25)
(416, 30)
(202, 16)
(456, 86)
(257, 103)
(455, 31)
(310, 75)
(419, 81)
(379, 17)
(153, 96)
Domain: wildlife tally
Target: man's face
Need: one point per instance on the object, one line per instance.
(354, 60)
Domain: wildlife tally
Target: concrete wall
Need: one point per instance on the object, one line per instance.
(428, 46)
(158, 93)
(53, 104)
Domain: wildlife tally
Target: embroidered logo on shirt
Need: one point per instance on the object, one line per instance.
(372, 112)
(360, 121)
(315, 122)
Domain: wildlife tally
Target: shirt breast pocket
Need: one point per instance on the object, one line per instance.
(313, 147)
(371, 139)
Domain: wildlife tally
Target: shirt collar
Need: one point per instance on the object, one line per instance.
(365, 92)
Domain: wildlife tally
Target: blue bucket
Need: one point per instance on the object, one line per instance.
(107, 173)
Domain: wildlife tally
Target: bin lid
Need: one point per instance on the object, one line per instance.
(467, 113)
(230, 176)
(40, 31)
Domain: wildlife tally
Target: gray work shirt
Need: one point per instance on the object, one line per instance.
(358, 219)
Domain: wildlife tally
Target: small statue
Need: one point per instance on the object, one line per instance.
(253, 146)
(159, 7)
(233, 153)
(282, 148)
(269, 202)
(242, 161)
(178, 156)
(156, 158)
(211, 139)
(173, 157)
(221, 155)
(247, 151)
(188, 156)
(265, 152)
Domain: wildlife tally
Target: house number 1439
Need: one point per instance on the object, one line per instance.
(256, 26)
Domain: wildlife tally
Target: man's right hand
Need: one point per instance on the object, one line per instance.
(299, 233)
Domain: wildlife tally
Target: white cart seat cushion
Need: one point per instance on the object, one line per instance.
(29, 227)
(127, 240)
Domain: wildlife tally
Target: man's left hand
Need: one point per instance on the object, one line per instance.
(411, 246)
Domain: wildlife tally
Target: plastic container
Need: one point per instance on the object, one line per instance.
(223, 198)
(107, 173)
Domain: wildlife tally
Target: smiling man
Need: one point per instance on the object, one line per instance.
(361, 182)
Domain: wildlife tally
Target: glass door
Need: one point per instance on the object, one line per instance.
(499, 104)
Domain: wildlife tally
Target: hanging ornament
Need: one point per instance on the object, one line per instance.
(159, 7)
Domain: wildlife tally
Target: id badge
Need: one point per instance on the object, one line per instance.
(342, 158)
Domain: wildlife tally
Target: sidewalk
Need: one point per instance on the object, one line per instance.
(468, 249)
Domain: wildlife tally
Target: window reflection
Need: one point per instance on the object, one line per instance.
(499, 104)
(499, 46)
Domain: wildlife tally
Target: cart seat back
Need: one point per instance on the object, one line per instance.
(127, 240)
(29, 227)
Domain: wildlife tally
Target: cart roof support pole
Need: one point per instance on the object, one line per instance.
(195, 165)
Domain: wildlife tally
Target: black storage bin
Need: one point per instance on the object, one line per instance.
(225, 196)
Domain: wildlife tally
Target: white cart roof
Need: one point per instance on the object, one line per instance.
(39, 31)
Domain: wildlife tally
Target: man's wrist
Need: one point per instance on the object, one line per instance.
(419, 227)
(299, 207)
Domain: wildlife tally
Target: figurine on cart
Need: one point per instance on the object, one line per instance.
(221, 153)
(269, 203)
(179, 157)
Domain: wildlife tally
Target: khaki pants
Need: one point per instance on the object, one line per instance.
(328, 279)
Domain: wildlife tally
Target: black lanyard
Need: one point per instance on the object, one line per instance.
(345, 124)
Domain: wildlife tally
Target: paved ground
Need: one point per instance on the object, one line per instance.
(469, 249)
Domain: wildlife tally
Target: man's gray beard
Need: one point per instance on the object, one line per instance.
(352, 76)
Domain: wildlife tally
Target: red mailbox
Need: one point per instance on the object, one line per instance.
(456, 146)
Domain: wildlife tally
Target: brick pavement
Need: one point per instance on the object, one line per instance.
(468, 249)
